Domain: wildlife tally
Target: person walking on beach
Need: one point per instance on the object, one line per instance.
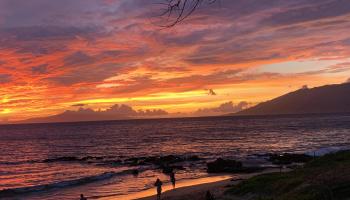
(172, 179)
(82, 197)
(158, 184)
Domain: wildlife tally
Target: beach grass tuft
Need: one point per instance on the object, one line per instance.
(323, 178)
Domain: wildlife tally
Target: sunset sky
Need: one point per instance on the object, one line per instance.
(57, 54)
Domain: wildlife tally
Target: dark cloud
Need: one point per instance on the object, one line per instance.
(86, 73)
(211, 92)
(224, 108)
(41, 12)
(81, 68)
(305, 87)
(40, 69)
(78, 58)
(35, 48)
(47, 32)
(5, 78)
(316, 11)
(213, 78)
(261, 30)
(125, 110)
(79, 105)
(46, 40)
(112, 53)
(150, 113)
(189, 39)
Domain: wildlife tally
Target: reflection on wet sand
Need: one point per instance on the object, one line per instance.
(168, 186)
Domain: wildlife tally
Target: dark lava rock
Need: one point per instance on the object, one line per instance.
(220, 165)
(288, 158)
(230, 166)
(62, 159)
(170, 159)
(168, 169)
(193, 158)
(113, 162)
(151, 159)
(86, 159)
(91, 158)
(161, 161)
(133, 161)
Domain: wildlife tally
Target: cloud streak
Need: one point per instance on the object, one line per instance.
(225, 108)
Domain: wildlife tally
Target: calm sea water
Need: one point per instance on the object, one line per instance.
(98, 148)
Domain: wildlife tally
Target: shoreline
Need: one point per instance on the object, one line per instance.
(180, 185)
(193, 189)
(195, 192)
(198, 191)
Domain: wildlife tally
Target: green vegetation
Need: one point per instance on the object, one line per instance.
(324, 178)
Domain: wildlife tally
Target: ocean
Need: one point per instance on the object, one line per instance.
(100, 159)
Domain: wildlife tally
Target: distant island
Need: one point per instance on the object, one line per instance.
(116, 112)
(318, 100)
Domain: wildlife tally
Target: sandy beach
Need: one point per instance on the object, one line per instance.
(198, 191)
(182, 187)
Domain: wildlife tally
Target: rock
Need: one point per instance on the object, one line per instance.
(86, 158)
(114, 162)
(193, 158)
(159, 161)
(166, 169)
(288, 158)
(150, 160)
(132, 161)
(62, 159)
(230, 166)
(111, 163)
(178, 167)
(170, 159)
(220, 165)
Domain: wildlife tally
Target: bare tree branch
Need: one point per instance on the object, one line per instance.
(177, 11)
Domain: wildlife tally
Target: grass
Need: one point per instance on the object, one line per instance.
(324, 178)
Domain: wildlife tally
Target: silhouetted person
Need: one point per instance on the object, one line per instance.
(135, 172)
(158, 184)
(82, 197)
(209, 196)
(172, 178)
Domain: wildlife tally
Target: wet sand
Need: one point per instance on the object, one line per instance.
(198, 191)
(181, 187)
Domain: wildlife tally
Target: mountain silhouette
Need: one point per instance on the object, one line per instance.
(318, 100)
(116, 112)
